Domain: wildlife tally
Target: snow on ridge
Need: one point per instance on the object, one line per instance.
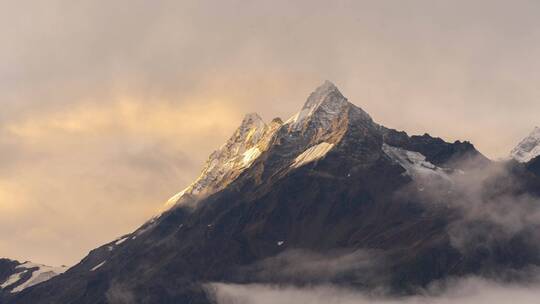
(299, 117)
(40, 273)
(12, 279)
(414, 163)
(224, 164)
(121, 240)
(98, 266)
(170, 202)
(312, 154)
(327, 98)
(250, 156)
(528, 148)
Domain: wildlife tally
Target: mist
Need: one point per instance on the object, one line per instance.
(471, 290)
(490, 203)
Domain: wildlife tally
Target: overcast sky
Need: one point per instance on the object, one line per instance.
(107, 108)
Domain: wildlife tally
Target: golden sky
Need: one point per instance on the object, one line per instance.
(107, 108)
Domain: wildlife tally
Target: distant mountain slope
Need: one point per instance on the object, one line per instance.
(16, 277)
(528, 148)
(328, 196)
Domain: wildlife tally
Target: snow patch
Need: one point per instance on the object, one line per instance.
(98, 266)
(12, 279)
(414, 163)
(175, 198)
(299, 117)
(120, 241)
(250, 156)
(40, 273)
(312, 154)
(528, 148)
(230, 160)
(327, 101)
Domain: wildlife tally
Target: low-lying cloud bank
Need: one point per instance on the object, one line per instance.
(472, 290)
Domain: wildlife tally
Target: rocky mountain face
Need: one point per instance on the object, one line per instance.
(226, 163)
(16, 277)
(328, 196)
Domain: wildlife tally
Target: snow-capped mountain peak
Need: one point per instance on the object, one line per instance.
(528, 148)
(323, 105)
(323, 118)
(237, 154)
(251, 130)
(322, 94)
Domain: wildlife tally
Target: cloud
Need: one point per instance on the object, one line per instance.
(486, 205)
(465, 291)
(76, 178)
(405, 66)
(119, 294)
(306, 267)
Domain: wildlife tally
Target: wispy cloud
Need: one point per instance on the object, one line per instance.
(487, 205)
(466, 291)
(67, 177)
(299, 266)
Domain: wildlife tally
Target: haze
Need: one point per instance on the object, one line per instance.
(109, 108)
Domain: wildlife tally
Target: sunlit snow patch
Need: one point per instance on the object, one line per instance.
(175, 199)
(312, 154)
(249, 156)
(120, 241)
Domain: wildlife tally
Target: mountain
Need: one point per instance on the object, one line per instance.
(528, 148)
(16, 277)
(534, 166)
(225, 164)
(327, 197)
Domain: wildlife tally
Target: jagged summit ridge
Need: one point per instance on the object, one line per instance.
(528, 148)
(322, 106)
(323, 118)
(326, 118)
(225, 164)
(322, 94)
